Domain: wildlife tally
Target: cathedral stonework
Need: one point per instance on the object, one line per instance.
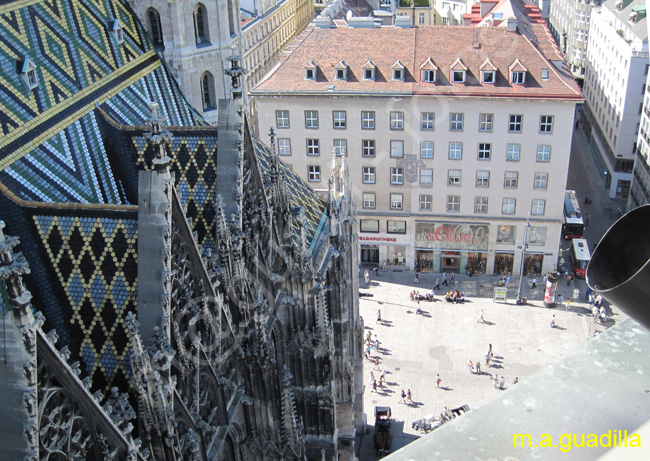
(170, 289)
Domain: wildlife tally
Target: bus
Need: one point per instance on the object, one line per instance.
(574, 226)
(580, 256)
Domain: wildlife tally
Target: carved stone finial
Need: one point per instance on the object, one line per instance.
(159, 137)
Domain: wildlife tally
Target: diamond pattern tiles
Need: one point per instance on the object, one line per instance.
(193, 163)
(71, 46)
(95, 262)
(301, 194)
(72, 166)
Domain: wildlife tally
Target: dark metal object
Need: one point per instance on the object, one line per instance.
(620, 265)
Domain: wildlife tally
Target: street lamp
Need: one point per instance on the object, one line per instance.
(523, 255)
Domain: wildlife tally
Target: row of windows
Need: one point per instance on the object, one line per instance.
(508, 204)
(427, 121)
(369, 149)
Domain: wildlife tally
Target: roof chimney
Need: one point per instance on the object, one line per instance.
(511, 25)
(403, 21)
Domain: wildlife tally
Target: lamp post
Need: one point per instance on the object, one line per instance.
(523, 256)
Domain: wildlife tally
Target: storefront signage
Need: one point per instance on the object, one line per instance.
(452, 236)
(363, 238)
(500, 295)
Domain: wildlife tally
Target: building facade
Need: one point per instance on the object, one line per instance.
(640, 189)
(451, 142)
(170, 290)
(196, 40)
(569, 23)
(614, 88)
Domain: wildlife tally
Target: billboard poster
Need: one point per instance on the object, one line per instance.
(537, 236)
(506, 234)
(452, 236)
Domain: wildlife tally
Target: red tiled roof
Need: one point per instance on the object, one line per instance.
(412, 47)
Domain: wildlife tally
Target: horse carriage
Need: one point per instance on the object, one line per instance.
(431, 422)
(383, 439)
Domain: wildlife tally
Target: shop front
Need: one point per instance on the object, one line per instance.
(503, 262)
(533, 263)
(444, 247)
(370, 254)
(379, 248)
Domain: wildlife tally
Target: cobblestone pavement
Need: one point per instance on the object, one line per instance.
(414, 348)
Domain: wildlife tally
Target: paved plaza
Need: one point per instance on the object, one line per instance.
(414, 348)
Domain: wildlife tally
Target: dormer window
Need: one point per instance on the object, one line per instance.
(398, 71)
(369, 70)
(488, 72)
(458, 71)
(117, 30)
(341, 70)
(311, 71)
(517, 73)
(428, 71)
(27, 72)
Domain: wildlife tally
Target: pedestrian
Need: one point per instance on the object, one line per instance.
(516, 380)
(383, 265)
(437, 287)
(444, 279)
(377, 363)
(553, 325)
(416, 279)
(560, 299)
(568, 280)
(453, 277)
(438, 380)
(378, 315)
(418, 311)
(495, 381)
(480, 317)
(409, 396)
(376, 344)
(488, 356)
(381, 382)
(568, 304)
(502, 383)
(587, 218)
(366, 276)
(374, 386)
(534, 282)
(383, 375)
(507, 280)
(586, 202)
(478, 367)
(375, 271)
(403, 399)
(368, 352)
(470, 367)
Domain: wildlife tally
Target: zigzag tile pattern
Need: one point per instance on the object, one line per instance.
(95, 262)
(301, 195)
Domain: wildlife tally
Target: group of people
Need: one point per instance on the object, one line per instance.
(453, 296)
(474, 369)
(417, 296)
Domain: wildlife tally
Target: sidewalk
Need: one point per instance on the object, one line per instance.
(413, 348)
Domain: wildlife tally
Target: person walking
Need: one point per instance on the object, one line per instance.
(453, 277)
(366, 276)
(383, 265)
(417, 277)
(444, 279)
(495, 381)
(587, 219)
(478, 367)
(480, 317)
(418, 311)
(437, 287)
(534, 282)
(374, 385)
(438, 380)
(403, 399)
(377, 363)
(502, 383)
(470, 367)
(409, 396)
(378, 315)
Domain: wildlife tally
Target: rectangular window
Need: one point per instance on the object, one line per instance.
(397, 120)
(369, 174)
(368, 148)
(367, 120)
(396, 201)
(340, 146)
(541, 181)
(369, 74)
(369, 201)
(515, 124)
(546, 124)
(284, 146)
(509, 205)
(426, 149)
(480, 204)
(396, 227)
(485, 122)
(311, 119)
(397, 149)
(428, 76)
(484, 151)
(543, 153)
(453, 177)
(282, 118)
(482, 178)
(453, 203)
(455, 150)
(339, 119)
(420, 18)
(427, 121)
(511, 179)
(488, 76)
(397, 175)
(426, 176)
(538, 207)
(456, 121)
(314, 173)
(369, 225)
(512, 153)
(313, 147)
(458, 76)
(425, 202)
(518, 78)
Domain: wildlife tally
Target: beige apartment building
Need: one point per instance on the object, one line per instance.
(457, 139)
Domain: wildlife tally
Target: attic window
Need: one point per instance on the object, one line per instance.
(117, 29)
(311, 71)
(458, 76)
(398, 71)
(369, 69)
(340, 74)
(27, 71)
(309, 74)
(488, 76)
(518, 77)
(341, 70)
(544, 74)
(428, 75)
